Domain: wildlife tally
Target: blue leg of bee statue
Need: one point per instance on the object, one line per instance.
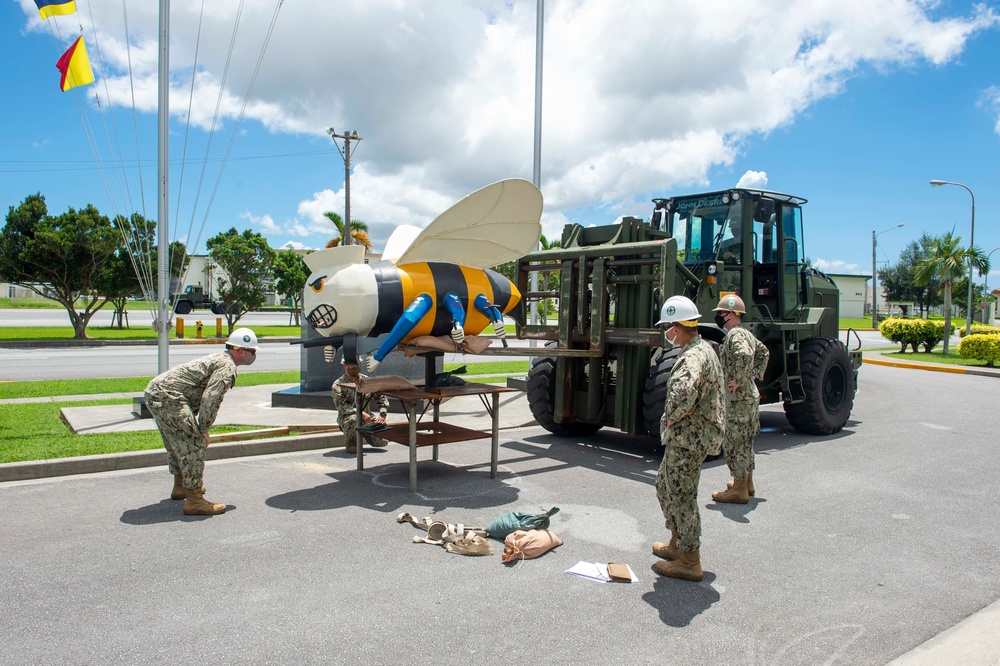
(420, 306)
(493, 313)
(454, 305)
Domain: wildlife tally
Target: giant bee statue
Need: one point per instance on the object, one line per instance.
(434, 281)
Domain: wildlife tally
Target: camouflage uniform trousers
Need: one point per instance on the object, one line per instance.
(677, 491)
(181, 437)
(742, 426)
(350, 430)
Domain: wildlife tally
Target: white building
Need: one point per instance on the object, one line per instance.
(854, 293)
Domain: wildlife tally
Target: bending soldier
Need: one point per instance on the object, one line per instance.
(344, 402)
(184, 402)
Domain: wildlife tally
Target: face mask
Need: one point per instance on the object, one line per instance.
(671, 341)
(253, 357)
(720, 319)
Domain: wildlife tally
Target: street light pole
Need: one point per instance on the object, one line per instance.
(986, 282)
(972, 242)
(346, 154)
(874, 277)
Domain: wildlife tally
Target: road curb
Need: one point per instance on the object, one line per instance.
(111, 462)
(932, 368)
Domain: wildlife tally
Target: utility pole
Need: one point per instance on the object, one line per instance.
(346, 154)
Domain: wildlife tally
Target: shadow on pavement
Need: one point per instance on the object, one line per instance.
(680, 601)
(164, 511)
(440, 486)
(738, 513)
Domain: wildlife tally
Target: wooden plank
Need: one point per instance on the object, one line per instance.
(431, 433)
(248, 434)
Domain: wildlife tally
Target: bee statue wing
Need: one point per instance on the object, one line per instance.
(399, 242)
(491, 226)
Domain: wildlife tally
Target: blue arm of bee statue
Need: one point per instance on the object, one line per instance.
(492, 313)
(453, 304)
(420, 306)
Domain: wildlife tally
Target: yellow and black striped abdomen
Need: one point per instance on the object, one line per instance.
(398, 286)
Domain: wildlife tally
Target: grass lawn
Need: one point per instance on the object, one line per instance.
(935, 357)
(61, 387)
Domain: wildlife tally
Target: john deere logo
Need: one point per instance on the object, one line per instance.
(246, 338)
(671, 310)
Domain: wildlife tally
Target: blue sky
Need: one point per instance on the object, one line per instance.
(852, 105)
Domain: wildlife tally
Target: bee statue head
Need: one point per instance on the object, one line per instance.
(341, 295)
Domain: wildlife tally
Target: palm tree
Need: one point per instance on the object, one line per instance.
(946, 260)
(359, 231)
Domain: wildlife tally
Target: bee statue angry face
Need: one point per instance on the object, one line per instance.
(418, 288)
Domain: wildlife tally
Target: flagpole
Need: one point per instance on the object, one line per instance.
(163, 253)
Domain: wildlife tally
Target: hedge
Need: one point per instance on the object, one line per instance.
(981, 346)
(982, 329)
(913, 332)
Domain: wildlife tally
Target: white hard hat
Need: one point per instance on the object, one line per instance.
(242, 338)
(679, 310)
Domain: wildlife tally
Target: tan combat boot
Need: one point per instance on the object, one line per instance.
(737, 494)
(196, 505)
(178, 493)
(686, 567)
(667, 551)
(750, 488)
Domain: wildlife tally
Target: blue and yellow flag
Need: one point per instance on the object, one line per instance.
(75, 66)
(49, 8)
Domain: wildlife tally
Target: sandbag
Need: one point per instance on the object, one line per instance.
(506, 523)
(526, 545)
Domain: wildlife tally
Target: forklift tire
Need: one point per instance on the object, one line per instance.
(829, 384)
(541, 398)
(183, 307)
(654, 397)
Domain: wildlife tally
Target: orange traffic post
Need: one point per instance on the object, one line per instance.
(218, 327)
(180, 327)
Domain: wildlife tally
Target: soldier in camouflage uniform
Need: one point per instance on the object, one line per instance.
(184, 402)
(344, 402)
(744, 359)
(692, 427)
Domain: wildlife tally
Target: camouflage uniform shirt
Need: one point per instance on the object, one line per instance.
(343, 399)
(694, 405)
(201, 383)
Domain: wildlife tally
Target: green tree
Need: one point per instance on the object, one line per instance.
(946, 260)
(290, 274)
(359, 231)
(58, 257)
(249, 262)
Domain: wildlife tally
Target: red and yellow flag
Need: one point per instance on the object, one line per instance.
(75, 66)
(49, 8)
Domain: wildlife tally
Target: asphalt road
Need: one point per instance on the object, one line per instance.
(68, 362)
(857, 548)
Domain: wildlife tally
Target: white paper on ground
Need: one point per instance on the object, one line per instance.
(596, 571)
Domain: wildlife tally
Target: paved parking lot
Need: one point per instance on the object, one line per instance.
(858, 548)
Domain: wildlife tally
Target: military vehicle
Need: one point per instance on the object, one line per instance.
(606, 364)
(193, 297)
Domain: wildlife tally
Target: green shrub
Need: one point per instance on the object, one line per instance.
(981, 346)
(913, 332)
(981, 329)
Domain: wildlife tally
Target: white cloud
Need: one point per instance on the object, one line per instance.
(838, 266)
(753, 180)
(443, 93)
